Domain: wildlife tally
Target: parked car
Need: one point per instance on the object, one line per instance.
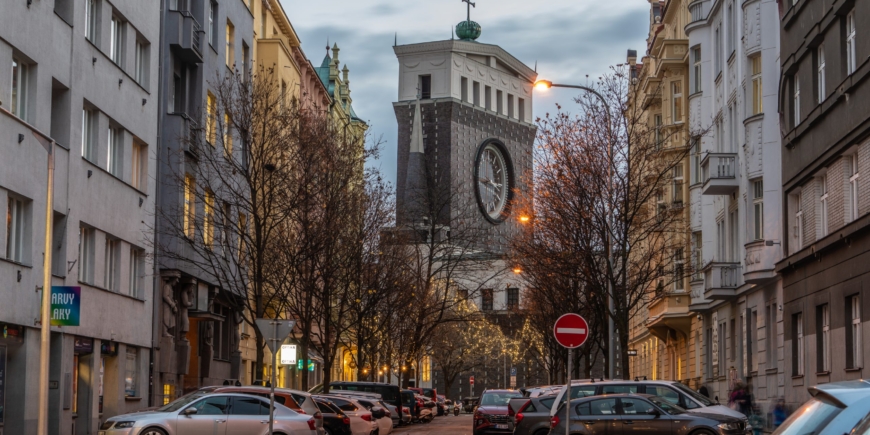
(835, 408)
(546, 390)
(491, 415)
(530, 415)
(390, 393)
(380, 414)
(361, 419)
(442, 407)
(641, 413)
(373, 399)
(203, 411)
(672, 391)
(468, 404)
(294, 399)
(335, 422)
(409, 406)
(431, 393)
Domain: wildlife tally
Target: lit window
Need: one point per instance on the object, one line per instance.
(228, 136)
(208, 221)
(230, 36)
(820, 78)
(189, 206)
(15, 226)
(758, 208)
(851, 58)
(757, 105)
(20, 75)
(210, 120)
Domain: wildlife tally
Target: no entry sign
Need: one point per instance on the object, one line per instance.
(571, 330)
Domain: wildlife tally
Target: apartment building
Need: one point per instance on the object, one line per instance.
(824, 109)
(661, 331)
(197, 328)
(737, 236)
(81, 75)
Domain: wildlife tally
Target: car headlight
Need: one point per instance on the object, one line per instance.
(730, 426)
(123, 425)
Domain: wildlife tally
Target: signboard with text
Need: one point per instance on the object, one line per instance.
(66, 305)
(288, 354)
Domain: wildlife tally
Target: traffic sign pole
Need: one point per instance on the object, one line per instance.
(571, 331)
(568, 394)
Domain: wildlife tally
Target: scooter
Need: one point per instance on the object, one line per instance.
(456, 409)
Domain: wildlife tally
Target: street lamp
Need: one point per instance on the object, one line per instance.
(611, 328)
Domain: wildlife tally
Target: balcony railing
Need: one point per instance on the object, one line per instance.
(721, 280)
(185, 35)
(719, 172)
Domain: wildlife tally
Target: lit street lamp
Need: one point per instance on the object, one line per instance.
(611, 349)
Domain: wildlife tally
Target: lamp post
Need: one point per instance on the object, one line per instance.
(611, 327)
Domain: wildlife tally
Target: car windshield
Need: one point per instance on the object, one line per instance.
(811, 418)
(666, 406)
(180, 402)
(693, 394)
(498, 399)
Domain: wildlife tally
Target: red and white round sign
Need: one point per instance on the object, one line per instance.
(571, 330)
(471, 380)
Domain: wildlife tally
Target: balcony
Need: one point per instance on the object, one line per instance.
(721, 280)
(668, 312)
(719, 172)
(761, 258)
(184, 35)
(183, 130)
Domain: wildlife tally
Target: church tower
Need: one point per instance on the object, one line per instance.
(464, 114)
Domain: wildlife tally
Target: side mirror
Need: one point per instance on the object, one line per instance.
(655, 412)
(378, 413)
(189, 411)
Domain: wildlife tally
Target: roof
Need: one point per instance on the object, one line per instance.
(506, 59)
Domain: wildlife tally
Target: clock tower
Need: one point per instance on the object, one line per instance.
(464, 114)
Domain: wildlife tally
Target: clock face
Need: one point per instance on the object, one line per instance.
(493, 180)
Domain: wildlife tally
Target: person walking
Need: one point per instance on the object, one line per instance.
(779, 413)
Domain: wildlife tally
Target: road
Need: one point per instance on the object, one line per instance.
(450, 424)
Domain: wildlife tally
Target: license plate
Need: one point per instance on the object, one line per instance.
(501, 426)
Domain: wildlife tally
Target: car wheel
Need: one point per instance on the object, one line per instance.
(702, 432)
(327, 431)
(153, 431)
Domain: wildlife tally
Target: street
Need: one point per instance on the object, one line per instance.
(460, 425)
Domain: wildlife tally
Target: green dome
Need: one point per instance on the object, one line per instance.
(468, 30)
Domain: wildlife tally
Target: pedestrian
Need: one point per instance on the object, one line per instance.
(779, 412)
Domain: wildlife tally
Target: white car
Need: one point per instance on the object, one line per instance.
(202, 413)
(361, 421)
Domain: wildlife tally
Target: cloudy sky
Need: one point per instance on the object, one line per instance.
(569, 40)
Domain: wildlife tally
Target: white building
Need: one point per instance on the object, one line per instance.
(736, 194)
(82, 73)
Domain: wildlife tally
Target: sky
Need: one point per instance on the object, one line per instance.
(571, 41)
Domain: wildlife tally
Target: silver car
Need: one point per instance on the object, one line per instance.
(211, 414)
(836, 408)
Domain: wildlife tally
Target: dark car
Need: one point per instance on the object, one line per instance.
(836, 408)
(641, 413)
(491, 415)
(468, 404)
(409, 402)
(530, 415)
(334, 421)
(389, 393)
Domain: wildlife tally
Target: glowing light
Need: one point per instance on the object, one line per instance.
(517, 270)
(543, 85)
(524, 219)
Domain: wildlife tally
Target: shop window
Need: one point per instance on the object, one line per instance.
(131, 373)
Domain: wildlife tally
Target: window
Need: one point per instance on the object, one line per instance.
(677, 101)
(852, 210)
(89, 118)
(138, 169)
(677, 185)
(228, 135)
(521, 103)
(513, 298)
(263, 18)
(823, 205)
(796, 100)
(211, 34)
(696, 163)
(141, 66)
(820, 73)
(733, 233)
(116, 40)
(230, 44)
(752, 342)
(283, 94)
(86, 253)
(486, 299)
(679, 270)
(721, 240)
(798, 231)
(823, 338)
(853, 332)
(189, 206)
(733, 339)
(718, 50)
(733, 140)
(131, 373)
(696, 59)
(851, 58)
(499, 102)
(210, 121)
(426, 369)
(15, 229)
(476, 93)
(462, 294)
(657, 131)
(208, 220)
(732, 29)
(137, 258)
(20, 76)
(111, 263)
(116, 145)
(243, 231)
(510, 103)
(464, 89)
(721, 353)
(487, 95)
(798, 347)
(770, 336)
(91, 20)
(758, 208)
(697, 255)
(757, 106)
